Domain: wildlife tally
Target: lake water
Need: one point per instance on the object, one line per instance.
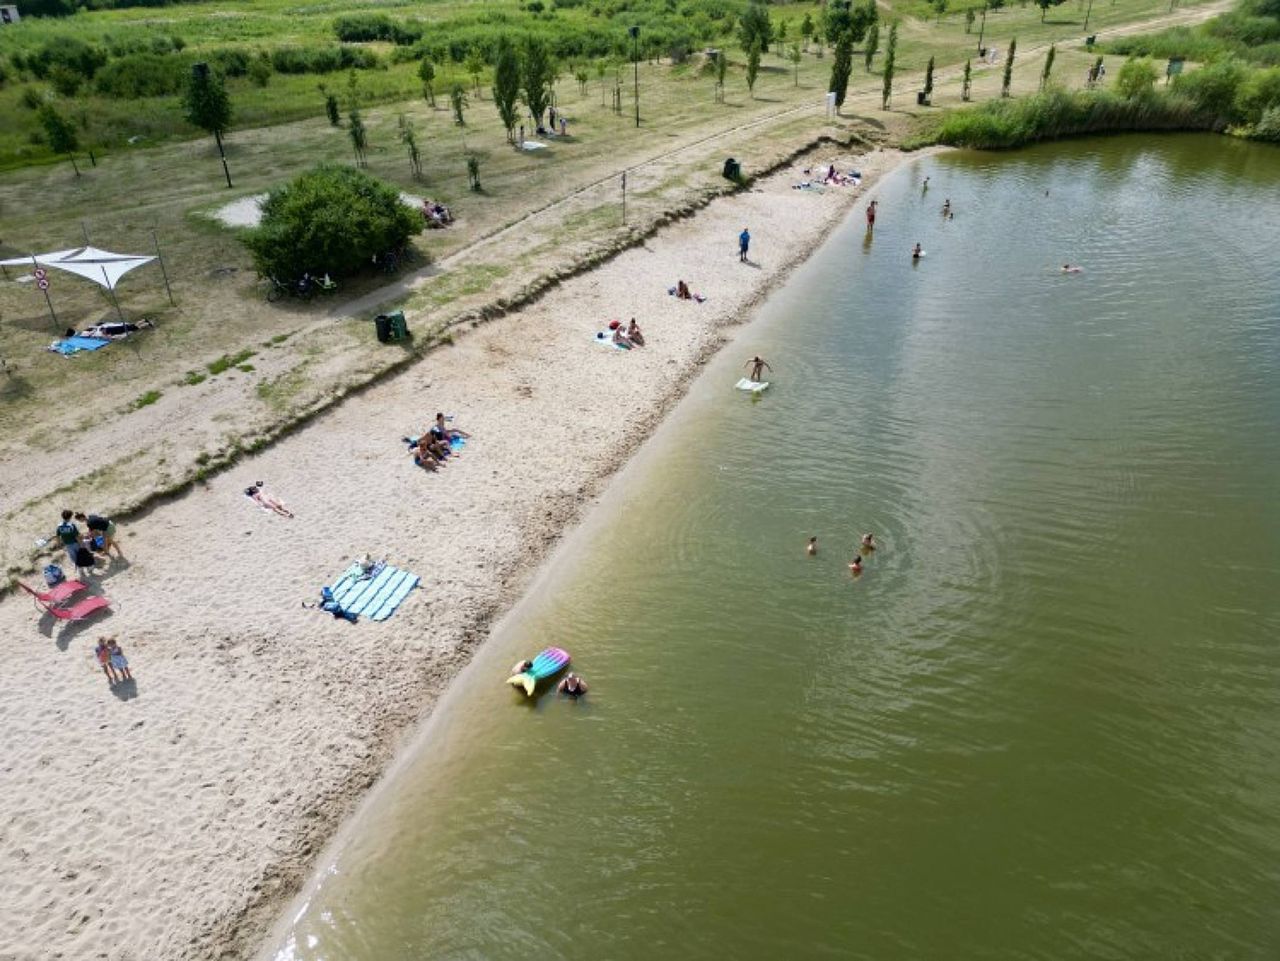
(1043, 724)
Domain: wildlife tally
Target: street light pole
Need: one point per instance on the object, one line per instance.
(635, 59)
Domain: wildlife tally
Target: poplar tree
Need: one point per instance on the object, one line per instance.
(891, 54)
(1048, 65)
(753, 67)
(928, 80)
(60, 132)
(506, 86)
(966, 82)
(536, 73)
(873, 44)
(458, 101)
(1008, 68)
(427, 74)
(841, 67)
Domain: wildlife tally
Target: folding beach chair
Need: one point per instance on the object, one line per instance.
(57, 594)
(78, 611)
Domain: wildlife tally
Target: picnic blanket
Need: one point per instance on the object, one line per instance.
(375, 597)
(74, 345)
(605, 339)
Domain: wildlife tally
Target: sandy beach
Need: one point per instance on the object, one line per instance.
(173, 817)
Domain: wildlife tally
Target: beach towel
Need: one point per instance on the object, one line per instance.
(375, 595)
(533, 145)
(74, 345)
(605, 339)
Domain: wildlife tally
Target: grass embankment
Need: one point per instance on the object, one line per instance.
(1229, 92)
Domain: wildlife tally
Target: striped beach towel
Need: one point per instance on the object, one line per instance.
(375, 597)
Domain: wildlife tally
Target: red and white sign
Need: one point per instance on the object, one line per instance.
(41, 273)
(42, 283)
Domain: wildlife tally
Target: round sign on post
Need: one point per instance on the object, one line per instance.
(42, 283)
(40, 273)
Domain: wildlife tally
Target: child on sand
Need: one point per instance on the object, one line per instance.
(118, 661)
(103, 653)
(633, 333)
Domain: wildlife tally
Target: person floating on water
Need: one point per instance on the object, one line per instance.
(871, 215)
(744, 242)
(758, 367)
(1069, 269)
(812, 547)
(917, 253)
(855, 566)
(868, 542)
(573, 686)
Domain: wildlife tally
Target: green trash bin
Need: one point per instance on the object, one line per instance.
(399, 328)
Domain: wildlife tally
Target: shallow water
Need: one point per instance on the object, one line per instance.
(1044, 723)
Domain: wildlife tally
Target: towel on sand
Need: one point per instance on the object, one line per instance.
(74, 345)
(375, 597)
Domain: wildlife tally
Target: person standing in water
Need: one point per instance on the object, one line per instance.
(868, 542)
(918, 252)
(744, 242)
(812, 547)
(871, 215)
(758, 367)
(946, 208)
(573, 685)
(855, 566)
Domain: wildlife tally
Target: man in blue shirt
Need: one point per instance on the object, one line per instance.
(744, 241)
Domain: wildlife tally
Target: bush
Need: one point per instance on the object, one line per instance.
(229, 61)
(1268, 128)
(1258, 94)
(332, 219)
(260, 71)
(1213, 88)
(75, 55)
(1137, 77)
(366, 27)
(322, 59)
(142, 75)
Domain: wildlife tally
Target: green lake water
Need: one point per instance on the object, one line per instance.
(1044, 723)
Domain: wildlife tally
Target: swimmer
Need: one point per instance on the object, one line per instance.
(812, 547)
(855, 567)
(1069, 269)
(917, 253)
(868, 542)
(520, 667)
(946, 208)
(573, 686)
(758, 367)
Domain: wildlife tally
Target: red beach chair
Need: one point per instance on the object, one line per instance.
(76, 612)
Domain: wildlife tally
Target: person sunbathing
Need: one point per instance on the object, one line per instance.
(634, 335)
(266, 501)
(115, 331)
(620, 338)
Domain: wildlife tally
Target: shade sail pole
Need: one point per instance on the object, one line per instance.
(114, 299)
(162, 269)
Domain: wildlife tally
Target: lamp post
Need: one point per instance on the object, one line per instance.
(635, 59)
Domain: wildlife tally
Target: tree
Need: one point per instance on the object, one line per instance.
(331, 107)
(1137, 77)
(1048, 65)
(206, 105)
(409, 138)
(753, 68)
(794, 56)
(873, 44)
(928, 80)
(536, 73)
(458, 101)
(332, 219)
(60, 132)
(579, 74)
(475, 66)
(806, 30)
(966, 84)
(969, 17)
(427, 74)
(755, 27)
(781, 36)
(1008, 68)
(506, 85)
(890, 55)
(260, 71)
(722, 67)
(1044, 6)
(841, 67)
(940, 7)
(358, 134)
(473, 173)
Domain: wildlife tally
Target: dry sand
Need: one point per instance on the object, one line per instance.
(172, 818)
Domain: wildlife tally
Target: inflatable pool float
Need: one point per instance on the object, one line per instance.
(547, 664)
(755, 386)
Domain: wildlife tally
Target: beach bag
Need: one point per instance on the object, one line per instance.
(53, 575)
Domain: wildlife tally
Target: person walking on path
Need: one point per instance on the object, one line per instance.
(744, 242)
(103, 653)
(104, 527)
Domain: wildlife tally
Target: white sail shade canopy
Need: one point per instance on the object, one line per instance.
(101, 266)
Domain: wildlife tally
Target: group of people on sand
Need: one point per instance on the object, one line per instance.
(571, 685)
(866, 545)
(83, 547)
(112, 660)
(627, 336)
(434, 447)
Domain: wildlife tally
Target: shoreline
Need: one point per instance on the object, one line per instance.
(278, 743)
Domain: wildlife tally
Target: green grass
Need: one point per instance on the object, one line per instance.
(194, 377)
(147, 399)
(227, 361)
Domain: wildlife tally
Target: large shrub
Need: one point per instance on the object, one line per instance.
(1213, 88)
(143, 75)
(322, 59)
(68, 52)
(332, 219)
(364, 27)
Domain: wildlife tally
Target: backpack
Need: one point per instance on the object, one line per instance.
(53, 575)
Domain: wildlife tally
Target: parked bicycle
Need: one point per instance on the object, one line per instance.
(303, 288)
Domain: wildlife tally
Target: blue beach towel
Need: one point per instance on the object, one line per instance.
(375, 597)
(74, 345)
